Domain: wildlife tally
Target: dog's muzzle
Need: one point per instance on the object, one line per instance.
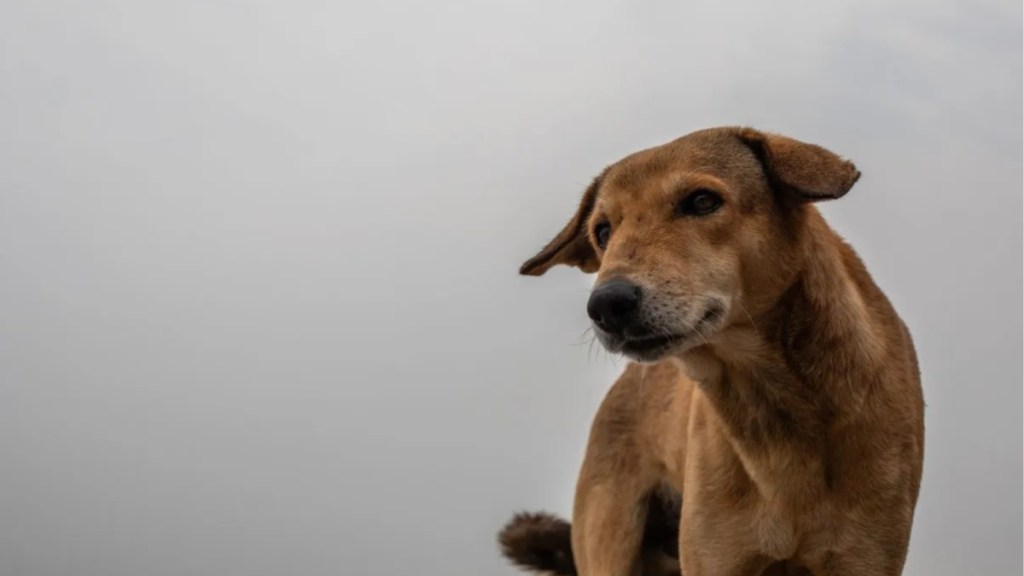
(624, 324)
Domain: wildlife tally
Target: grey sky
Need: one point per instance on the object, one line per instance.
(258, 304)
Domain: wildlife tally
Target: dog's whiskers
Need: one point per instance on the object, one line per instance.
(586, 337)
(693, 329)
(752, 323)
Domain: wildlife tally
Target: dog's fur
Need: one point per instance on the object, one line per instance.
(786, 407)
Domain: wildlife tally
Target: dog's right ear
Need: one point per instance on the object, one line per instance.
(807, 172)
(571, 246)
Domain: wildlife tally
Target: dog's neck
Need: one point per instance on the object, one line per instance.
(804, 367)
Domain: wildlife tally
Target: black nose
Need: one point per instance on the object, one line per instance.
(613, 304)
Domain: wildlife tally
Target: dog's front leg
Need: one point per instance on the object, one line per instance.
(610, 509)
(608, 525)
(618, 475)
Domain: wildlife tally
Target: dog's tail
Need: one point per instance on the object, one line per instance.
(540, 542)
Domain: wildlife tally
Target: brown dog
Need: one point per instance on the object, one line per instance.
(774, 387)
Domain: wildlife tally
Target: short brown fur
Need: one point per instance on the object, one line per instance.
(794, 429)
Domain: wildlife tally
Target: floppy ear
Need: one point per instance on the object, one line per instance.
(571, 246)
(807, 171)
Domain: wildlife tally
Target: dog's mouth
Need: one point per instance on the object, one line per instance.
(649, 348)
(650, 345)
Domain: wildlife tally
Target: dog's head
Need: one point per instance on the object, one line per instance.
(692, 236)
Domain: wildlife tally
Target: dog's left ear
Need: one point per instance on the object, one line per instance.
(572, 245)
(808, 171)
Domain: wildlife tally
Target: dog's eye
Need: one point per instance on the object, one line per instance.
(602, 232)
(700, 203)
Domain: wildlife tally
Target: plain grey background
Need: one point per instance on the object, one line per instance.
(259, 310)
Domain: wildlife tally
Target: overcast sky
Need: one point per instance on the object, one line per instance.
(259, 310)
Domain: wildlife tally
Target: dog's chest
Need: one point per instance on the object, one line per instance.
(778, 490)
(788, 496)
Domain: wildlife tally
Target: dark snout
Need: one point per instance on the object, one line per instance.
(614, 305)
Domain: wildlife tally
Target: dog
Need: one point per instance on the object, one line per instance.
(771, 420)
